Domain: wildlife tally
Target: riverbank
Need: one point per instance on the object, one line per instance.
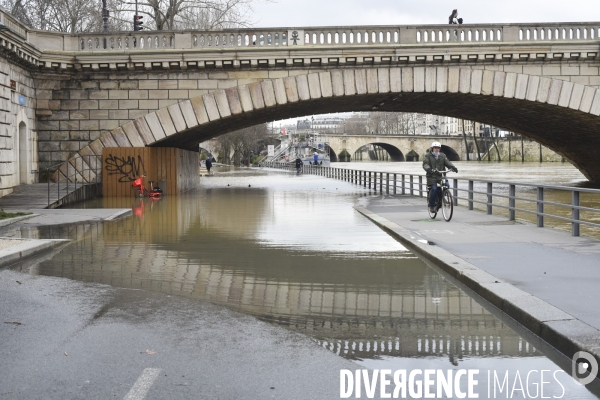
(543, 278)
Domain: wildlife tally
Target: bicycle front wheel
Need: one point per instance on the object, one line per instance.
(447, 205)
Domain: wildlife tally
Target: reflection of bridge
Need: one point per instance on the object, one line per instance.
(407, 306)
(181, 88)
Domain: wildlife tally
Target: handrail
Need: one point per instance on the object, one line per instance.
(86, 170)
(375, 180)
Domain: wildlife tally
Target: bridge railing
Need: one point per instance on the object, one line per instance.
(310, 36)
(13, 24)
(535, 203)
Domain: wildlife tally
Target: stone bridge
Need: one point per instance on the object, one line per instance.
(80, 93)
(399, 146)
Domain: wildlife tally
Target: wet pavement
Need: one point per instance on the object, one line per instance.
(254, 280)
(72, 340)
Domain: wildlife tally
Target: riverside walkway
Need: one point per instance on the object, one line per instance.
(40, 195)
(545, 279)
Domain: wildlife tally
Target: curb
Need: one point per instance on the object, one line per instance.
(558, 328)
(27, 248)
(9, 221)
(119, 214)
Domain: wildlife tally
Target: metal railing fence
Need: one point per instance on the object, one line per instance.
(512, 197)
(70, 175)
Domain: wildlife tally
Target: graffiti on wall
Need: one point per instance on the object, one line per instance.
(127, 168)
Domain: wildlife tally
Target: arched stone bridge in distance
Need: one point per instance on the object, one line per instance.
(539, 80)
(398, 146)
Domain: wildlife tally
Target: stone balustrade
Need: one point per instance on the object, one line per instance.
(69, 52)
(14, 25)
(319, 36)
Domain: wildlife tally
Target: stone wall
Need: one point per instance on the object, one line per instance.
(73, 111)
(529, 151)
(18, 135)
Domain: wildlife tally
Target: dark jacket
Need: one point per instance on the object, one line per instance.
(440, 164)
(298, 162)
(208, 163)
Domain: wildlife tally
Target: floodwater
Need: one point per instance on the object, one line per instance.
(561, 174)
(292, 250)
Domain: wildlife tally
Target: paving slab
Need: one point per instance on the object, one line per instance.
(12, 250)
(67, 216)
(544, 278)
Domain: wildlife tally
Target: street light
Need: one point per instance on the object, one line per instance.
(104, 17)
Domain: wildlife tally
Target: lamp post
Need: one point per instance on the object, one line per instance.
(104, 17)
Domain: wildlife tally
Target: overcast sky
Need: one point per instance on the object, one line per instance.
(297, 13)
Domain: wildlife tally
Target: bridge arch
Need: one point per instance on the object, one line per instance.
(561, 115)
(333, 157)
(450, 153)
(395, 153)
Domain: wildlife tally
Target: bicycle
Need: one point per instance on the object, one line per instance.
(444, 198)
(141, 190)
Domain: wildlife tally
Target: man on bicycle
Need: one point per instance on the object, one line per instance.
(435, 160)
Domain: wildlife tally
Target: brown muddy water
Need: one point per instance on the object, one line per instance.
(292, 250)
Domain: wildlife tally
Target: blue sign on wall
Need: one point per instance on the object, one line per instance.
(22, 100)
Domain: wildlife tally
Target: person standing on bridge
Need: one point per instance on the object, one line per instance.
(433, 162)
(453, 19)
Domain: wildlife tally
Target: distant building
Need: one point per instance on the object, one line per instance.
(303, 124)
(327, 124)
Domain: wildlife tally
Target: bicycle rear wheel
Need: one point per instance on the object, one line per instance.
(447, 205)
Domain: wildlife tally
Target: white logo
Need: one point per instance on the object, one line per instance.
(584, 362)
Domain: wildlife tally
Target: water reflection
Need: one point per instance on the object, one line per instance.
(290, 250)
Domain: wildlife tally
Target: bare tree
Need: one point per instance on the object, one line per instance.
(194, 14)
(241, 145)
(74, 16)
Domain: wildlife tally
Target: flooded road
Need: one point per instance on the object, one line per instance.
(291, 250)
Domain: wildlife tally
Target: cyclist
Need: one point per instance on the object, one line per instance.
(299, 164)
(435, 160)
